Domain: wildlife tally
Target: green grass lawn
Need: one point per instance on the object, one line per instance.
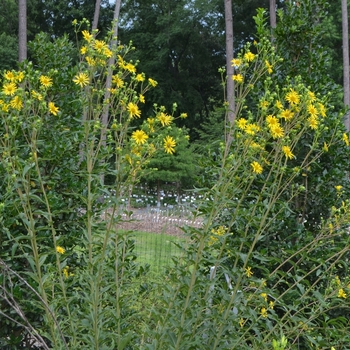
(156, 249)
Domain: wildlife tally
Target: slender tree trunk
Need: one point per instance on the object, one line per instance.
(22, 30)
(346, 78)
(273, 14)
(230, 96)
(96, 14)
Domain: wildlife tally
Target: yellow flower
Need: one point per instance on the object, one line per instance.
(142, 98)
(312, 96)
(133, 110)
(276, 131)
(341, 293)
(9, 89)
(338, 188)
(107, 52)
(53, 109)
(346, 138)
(45, 81)
(91, 62)
(287, 152)
(37, 95)
(279, 104)
(271, 305)
(16, 103)
(238, 78)
(263, 104)
(164, 119)
(292, 97)
(152, 82)
(99, 45)
(313, 123)
(325, 147)
(81, 79)
(183, 115)
(60, 250)
(322, 109)
(251, 129)
(287, 114)
(169, 145)
(19, 76)
(83, 50)
(249, 56)
(263, 312)
(242, 123)
(140, 77)
(117, 81)
(131, 68)
(264, 295)
(86, 35)
(268, 67)
(139, 136)
(271, 120)
(236, 62)
(257, 168)
(248, 272)
(312, 110)
(9, 75)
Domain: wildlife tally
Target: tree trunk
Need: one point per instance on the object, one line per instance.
(229, 68)
(22, 30)
(273, 14)
(96, 14)
(346, 79)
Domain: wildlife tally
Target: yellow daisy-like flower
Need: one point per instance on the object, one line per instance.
(60, 250)
(117, 81)
(83, 50)
(9, 75)
(139, 136)
(140, 77)
(242, 123)
(264, 295)
(279, 104)
(268, 67)
(99, 45)
(236, 62)
(164, 119)
(292, 97)
(287, 114)
(263, 312)
(338, 188)
(130, 67)
(322, 109)
(249, 56)
(19, 76)
(248, 272)
(16, 103)
(142, 98)
(276, 131)
(287, 152)
(256, 167)
(81, 79)
(133, 110)
(346, 138)
(251, 129)
(152, 82)
(272, 120)
(313, 123)
(9, 89)
(341, 293)
(53, 109)
(312, 110)
(311, 96)
(238, 78)
(45, 81)
(86, 35)
(263, 104)
(37, 95)
(90, 61)
(169, 145)
(107, 52)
